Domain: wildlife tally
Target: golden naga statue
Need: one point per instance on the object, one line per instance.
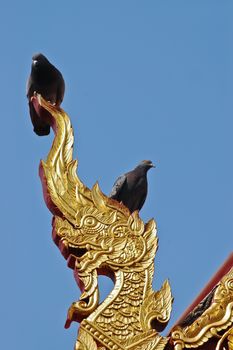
(98, 235)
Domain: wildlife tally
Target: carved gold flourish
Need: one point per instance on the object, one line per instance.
(85, 341)
(218, 317)
(96, 233)
(227, 335)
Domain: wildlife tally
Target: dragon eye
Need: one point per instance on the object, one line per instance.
(90, 221)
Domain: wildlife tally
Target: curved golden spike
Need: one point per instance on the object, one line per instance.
(64, 192)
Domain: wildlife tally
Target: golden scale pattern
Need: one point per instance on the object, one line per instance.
(114, 240)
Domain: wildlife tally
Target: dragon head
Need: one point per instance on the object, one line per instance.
(104, 238)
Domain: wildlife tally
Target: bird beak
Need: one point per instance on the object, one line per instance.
(34, 62)
(152, 165)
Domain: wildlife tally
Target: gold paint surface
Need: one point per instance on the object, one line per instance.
(100, 234)
(96, 234)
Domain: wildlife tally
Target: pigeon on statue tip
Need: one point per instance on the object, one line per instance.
(46, 80)
(131, 188)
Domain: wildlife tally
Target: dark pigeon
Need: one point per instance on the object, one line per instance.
(131, 188)
(46, 80)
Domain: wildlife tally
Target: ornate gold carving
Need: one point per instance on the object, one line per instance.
(230, 339)
(96, 234)
(227, 336)
(218, 317)
(85, 341)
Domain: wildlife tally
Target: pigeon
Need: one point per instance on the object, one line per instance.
(46, 80)
(131, 188)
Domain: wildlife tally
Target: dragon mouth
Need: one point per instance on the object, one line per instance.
(74, 255)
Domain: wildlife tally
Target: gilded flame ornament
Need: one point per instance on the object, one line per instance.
(98, 235)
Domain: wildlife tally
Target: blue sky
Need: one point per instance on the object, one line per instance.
(144, 80)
